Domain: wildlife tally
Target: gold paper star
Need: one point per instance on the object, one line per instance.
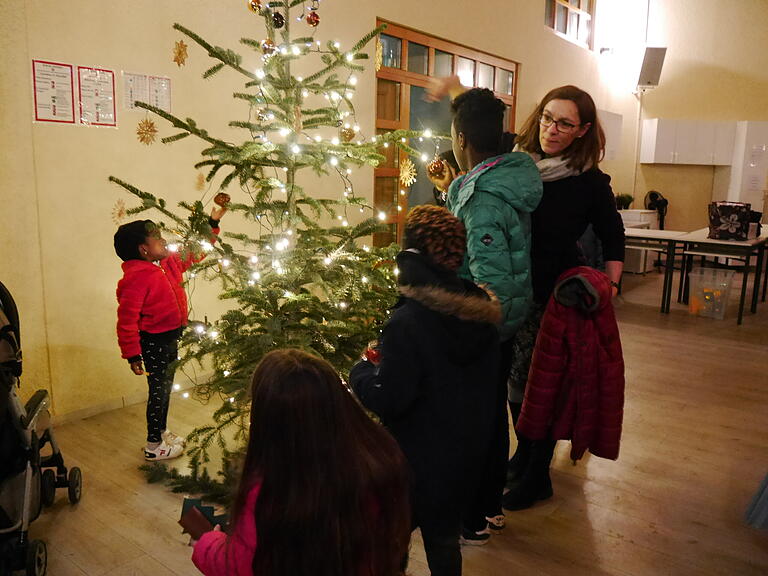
(407, 172)
(379, 55)
(180, 53)
(200, 184)
(119, 212)
(146, 131)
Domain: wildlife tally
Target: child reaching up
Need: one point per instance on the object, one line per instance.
(151, 313)
(324, 489)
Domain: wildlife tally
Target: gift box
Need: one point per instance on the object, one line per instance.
(729, 220)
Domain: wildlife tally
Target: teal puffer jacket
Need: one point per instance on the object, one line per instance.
(494, 200)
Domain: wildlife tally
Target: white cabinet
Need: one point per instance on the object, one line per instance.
(749, 165)
(666, 141)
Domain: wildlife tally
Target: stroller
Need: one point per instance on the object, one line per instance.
(28, 480)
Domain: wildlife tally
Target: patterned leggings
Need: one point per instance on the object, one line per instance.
(157, 356)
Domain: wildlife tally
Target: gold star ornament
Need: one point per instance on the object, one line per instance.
(180, 53)
(146, 131)
(407, 172)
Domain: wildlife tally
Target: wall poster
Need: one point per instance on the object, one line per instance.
(97, 96)
(54, 91)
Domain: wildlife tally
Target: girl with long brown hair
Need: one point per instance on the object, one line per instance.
(324, 489)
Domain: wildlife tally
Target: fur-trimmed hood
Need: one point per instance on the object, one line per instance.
(471, 307)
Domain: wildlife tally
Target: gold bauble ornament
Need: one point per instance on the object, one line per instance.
(313, 19)
(347, 134)
(436, 169)
(255, 6)
(268, 46)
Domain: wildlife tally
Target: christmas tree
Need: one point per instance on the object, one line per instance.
(303, 276)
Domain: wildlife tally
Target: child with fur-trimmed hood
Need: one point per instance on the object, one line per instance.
(433, 385)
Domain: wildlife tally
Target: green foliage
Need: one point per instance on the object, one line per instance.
(301, 275)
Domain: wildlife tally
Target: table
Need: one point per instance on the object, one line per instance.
(697, 244)
(659, 241)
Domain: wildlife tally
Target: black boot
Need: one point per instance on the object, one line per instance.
(519, 461)
(535, 483)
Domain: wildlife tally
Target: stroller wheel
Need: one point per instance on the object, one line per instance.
(37, 558)
(75, 485)
(48, 487)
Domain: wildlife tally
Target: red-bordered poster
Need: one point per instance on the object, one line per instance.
(54, 91)
(96, 92)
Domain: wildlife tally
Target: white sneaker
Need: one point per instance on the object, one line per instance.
(171, 438)
(496, 523)
(164, 451)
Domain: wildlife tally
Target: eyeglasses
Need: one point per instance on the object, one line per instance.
(562, 126)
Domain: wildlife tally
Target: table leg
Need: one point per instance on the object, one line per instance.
(756, 282)
(666, 295)
(744, 280)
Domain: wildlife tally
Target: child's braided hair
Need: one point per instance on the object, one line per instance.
(434, 231)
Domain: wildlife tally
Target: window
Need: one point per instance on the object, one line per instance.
(409, 59)
(572, 19)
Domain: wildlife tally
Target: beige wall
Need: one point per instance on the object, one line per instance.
(56, 236)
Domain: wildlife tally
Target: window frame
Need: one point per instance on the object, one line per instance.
(589, 14)
(397, 209)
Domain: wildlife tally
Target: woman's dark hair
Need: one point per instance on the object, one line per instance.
(130, 236)
(334, 495)
(584, 152)
(480, 116)
(437, 233)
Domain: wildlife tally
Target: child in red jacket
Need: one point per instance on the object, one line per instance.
(151, 313)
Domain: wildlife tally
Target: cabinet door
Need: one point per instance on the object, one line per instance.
(725, 137)
(694, 142)
(657, 145)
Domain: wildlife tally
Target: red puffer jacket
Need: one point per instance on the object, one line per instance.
(151, 298)
(575, 386)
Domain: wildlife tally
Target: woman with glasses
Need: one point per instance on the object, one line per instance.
(564, 137)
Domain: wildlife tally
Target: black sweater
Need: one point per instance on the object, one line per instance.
(567, 207)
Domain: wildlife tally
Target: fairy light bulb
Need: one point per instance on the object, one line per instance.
(337, 45)
(327, 260)
(199, 329)
(295, 50)
(260, 74)
(366, 248)
(364, 280)
(206, 246)
(318, 139)
(284, 132)
(254, 259)
(382, 216)
(226, 373)
(345, 223)
(342, 305)
(427, 133)
(350, 57)
(335, 141)
(295, 149)
(225, 262)
(424, 157)
(177, 386)
(173, 247)
(256, 276)
(185, 395)
(353, 80)
(213, 334)
(334, 161)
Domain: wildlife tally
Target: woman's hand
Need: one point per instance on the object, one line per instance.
(137, 368)
(438, 88)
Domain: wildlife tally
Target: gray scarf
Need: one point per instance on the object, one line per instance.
(551, 169)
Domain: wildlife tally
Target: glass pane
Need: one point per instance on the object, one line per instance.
(548, 14)
(387, 100)
(505, 81)
(418, 58)
(391, 50)
(484, 76)
(573, 25)
(574, 3)
(561, 18)
(437, 117)
(507, 112)
(466, 71)
(392, 158)
(443, 63)
(583, 30)
(586, 5)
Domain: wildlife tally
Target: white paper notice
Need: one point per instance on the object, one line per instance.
(135, 87)
(97, 96)
(54, 92)
(160, 92)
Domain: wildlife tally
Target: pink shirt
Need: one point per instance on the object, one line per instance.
(217, 554)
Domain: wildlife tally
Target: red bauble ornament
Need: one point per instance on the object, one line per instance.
(313, 18)
(436, 169)
(278, 20)
(221, 199)
(255, 6)
(268, 47)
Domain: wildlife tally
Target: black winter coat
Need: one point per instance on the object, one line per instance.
(434, 387)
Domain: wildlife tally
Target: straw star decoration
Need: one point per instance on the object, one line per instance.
(407, 172)
(180, 53)
(146, 131)
(119, 212)
(200, 184)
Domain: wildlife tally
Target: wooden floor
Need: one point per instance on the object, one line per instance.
(694, 450)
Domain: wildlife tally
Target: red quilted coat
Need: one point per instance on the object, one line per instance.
(575, 387)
